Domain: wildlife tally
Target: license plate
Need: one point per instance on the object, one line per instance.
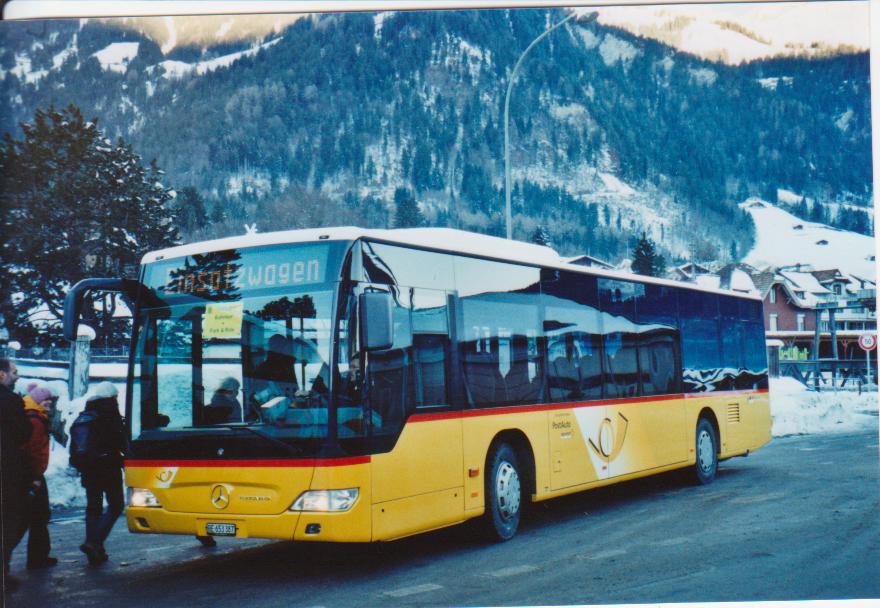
(220, 529)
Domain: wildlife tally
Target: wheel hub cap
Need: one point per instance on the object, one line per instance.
(507, 490)
(705, 451)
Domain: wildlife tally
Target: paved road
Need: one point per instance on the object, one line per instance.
(796, 520)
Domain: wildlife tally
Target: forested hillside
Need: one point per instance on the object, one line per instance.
(323, 122)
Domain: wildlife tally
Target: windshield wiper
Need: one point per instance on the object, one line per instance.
(292, 450)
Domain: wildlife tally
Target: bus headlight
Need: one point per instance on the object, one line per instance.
(141, 497)
(326, 500)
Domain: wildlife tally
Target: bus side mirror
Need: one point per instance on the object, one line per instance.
(73, 301)
(377, 328)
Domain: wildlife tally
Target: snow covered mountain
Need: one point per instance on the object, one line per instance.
(322, 120)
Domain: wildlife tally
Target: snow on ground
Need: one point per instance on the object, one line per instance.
(787, 196)
(614, 185)
(378, 22)
(783, 239)
(59, 59)
(24, 71)
(796, 410)
(116, 56)
(613, 49)
(177, 69)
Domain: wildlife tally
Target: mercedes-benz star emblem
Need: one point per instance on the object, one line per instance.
(220, 497)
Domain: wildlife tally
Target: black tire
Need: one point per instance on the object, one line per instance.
(706, 449)
(503, 493)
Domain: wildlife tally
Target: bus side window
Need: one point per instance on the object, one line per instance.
(755, 355)
(430, 336)
(617, 301)
(572, 324)
(501, 340)
(621, 365)
(659, 340)
(700, 342)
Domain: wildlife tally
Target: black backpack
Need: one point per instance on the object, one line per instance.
(83, 440)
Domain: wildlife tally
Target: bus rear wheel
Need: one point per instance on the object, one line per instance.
(503, 493)
(706, 447)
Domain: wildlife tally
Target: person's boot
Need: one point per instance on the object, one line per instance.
(92, 552)
(10, 583)
(39, 564)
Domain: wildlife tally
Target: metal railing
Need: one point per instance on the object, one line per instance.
(830, 373)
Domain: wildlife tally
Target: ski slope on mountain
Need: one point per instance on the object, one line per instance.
(782, 239)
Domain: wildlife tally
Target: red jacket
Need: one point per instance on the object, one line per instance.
(36, 449)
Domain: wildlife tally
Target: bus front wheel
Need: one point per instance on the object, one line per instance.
(503, 493)
(707, 452)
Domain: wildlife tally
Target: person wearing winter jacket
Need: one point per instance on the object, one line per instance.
(38, 406)
(102, 475)
(14, 432)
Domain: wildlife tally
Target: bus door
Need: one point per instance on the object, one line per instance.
(648, 431)
(578, 459)
(574, 364)
(418, 483)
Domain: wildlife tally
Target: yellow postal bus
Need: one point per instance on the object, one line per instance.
(365, 385)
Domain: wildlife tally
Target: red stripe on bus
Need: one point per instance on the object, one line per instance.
(543, 407)
(231, 463)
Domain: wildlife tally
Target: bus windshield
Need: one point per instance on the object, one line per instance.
(237, 339)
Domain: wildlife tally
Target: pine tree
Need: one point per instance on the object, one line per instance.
(191, 211)
(218, 215)
(541, 237)
(407, 213)
(76, 206)
(646, 259)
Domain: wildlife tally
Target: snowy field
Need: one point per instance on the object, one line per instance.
(784, 240)
(796, 411)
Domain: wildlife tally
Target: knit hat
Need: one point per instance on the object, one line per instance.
(39, 393)
(229, 384)
(103, 390)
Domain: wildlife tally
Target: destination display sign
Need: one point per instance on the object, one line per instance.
(226, 275)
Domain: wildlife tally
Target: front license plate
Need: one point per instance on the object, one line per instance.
(220, 529)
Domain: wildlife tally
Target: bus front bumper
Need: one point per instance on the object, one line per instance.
(349, 526)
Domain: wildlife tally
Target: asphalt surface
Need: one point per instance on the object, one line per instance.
(796, 520)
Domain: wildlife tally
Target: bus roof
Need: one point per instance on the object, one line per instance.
(441, 239)
(447, 239)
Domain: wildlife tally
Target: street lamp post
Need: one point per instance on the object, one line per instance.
(583, 19)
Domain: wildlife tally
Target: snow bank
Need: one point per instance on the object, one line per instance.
(799, 411)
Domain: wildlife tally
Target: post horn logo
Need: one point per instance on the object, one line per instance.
(220, 497)
(165, 476)
(610, 443)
